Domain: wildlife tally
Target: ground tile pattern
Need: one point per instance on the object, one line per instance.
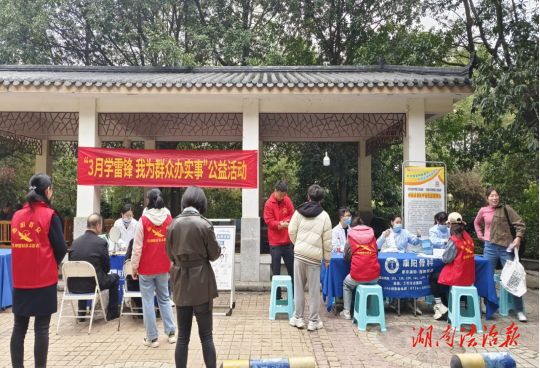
(249, 334)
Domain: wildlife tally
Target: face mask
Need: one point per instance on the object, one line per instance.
(127, 221)
(348, 222)
(443, 227)
(397, 228)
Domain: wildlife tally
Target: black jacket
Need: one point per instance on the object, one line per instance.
(94, 250)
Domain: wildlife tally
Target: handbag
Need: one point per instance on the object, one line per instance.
(513, 278)
(513, 231)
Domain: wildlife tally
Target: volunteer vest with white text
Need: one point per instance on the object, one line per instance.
(461, 272)
(364, 265)
(32, 257)
(154, 259)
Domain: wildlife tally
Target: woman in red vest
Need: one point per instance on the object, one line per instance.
(37, 248)
(361, 251)
(459, 259)
(149, 261)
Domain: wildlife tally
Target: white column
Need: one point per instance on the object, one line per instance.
(88, 197)
(149, 144)
(414, 144)
(251, 223)
(44, 163)
(364, 184)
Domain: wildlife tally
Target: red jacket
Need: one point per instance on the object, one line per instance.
(365, 265)
(154, 259)
(461, 272)
(274, 213)
(32, 257)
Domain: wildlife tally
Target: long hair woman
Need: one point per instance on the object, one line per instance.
(149, 261)
(191, 246)
(497, 235)
(37, 248)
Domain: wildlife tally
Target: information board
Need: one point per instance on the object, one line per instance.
(224, 266)
(424, 195)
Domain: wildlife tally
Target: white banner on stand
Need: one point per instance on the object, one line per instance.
(224, 266)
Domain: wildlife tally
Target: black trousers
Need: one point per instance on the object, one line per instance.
(41, 342)
(287, 252)
(184, 317)
(111, 283)
(133, 285)
(435, 288)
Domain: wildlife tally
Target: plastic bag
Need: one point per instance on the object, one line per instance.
(513, 277)
(389, 245)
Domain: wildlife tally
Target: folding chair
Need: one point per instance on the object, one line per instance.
(80, 269)
(128, 295)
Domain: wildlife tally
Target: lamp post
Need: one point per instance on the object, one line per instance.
(449, 198)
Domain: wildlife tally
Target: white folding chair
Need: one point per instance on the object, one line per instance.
(80, 269)
(128, 295)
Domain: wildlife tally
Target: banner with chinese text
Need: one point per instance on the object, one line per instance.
(424, 196)
(167, 168)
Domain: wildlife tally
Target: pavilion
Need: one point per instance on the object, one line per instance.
(51, 110)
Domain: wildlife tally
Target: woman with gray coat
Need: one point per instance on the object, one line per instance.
(191, 246)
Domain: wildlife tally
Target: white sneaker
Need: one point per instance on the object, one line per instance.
(411, 307)
(297, 322)
(521, 317)
(482, 308)
(312, 326)
(345, 314)
(172, 337)
(152, 343)
(439, 310)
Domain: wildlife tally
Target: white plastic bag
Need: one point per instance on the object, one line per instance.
(389, 245)
(513, 277)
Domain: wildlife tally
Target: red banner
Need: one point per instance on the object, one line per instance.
(167, 168)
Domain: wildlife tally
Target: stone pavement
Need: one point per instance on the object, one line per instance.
(248, 333)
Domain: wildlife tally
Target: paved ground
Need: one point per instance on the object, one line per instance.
(248, 333)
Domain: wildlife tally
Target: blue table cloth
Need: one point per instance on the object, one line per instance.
(6, 280)
(405, 275)
(117, 266)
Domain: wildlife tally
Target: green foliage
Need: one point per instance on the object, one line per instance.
(15, 173)
(65, 186)
(528, 210)
(277, 166)
(386, 181)
(223, 203)
(118, 197)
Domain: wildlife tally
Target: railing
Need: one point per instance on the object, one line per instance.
(5, 234)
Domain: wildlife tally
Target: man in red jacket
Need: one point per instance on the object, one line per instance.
(278, 211)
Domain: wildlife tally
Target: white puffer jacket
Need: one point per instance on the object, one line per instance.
(310, 231)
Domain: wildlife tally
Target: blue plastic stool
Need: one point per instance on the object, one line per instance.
(281, 306)
(506, 300)
(429, 299)
(472, 312)
(362, 315)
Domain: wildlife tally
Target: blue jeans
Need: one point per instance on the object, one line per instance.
(158, 283)
(349, 285)
(494, 252)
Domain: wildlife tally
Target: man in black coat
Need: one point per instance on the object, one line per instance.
(94, 250)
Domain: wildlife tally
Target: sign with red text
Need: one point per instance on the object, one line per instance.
(167, 168)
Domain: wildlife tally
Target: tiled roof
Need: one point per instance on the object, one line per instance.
(197, 77)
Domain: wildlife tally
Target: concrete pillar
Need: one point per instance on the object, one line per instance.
(414, 143)
(251, 223)
(88, 197)
(149, 144)
(364, 184)
(44, 162)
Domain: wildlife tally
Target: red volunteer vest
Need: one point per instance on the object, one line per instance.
(32, 257)
(461, 272)
(154, 259)
(364, 265)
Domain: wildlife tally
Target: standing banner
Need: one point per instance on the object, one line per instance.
(167, 168)
(424, 195)
(224, 266)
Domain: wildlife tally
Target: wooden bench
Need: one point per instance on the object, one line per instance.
(5, 234)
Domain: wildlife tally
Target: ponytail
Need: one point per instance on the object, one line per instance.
(154, 199)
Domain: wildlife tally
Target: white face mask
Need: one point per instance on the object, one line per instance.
(127, 221)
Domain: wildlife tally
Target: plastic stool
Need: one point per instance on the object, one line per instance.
(506, 300)
(360, 307)
(281, 306)
(472, 312)
(429, 299)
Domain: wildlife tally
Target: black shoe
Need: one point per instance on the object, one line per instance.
(112, 315)
(158, 314)
(81, 319)
(278, 297)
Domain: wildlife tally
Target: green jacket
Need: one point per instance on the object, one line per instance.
(500, 230)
